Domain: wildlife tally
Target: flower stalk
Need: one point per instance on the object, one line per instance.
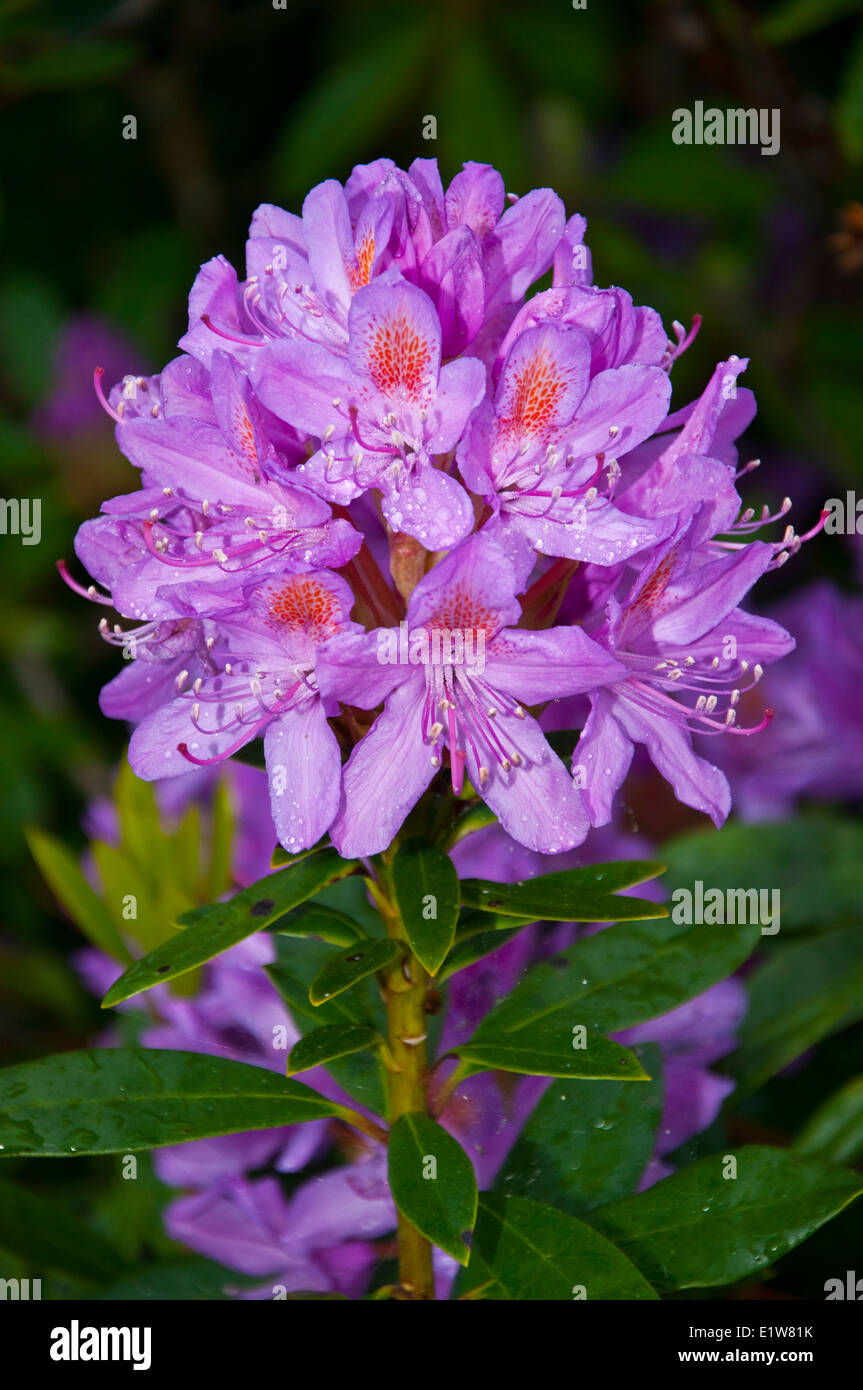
(405, 994)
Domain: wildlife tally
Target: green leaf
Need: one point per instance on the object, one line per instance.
(212, 930)
(189, 1280)
(532, 1252)
(50, 1239)
(550, 1052)
(477, 818)
(424, 880)
(834, 1133)
(323, 1045)
(316, 919)
(119, 1101)
(586, 1145)
(343, 971)
(71, 889)
(572, 895)
(620, 977)
(813, 860)
(359, 1074)
(475, 945)
(433, 1183)
(699, 1228)
(802, 994)
(281, 857)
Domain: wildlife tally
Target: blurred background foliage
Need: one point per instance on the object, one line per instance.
(245, 102)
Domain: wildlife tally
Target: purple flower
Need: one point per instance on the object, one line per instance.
(689, 652)
(319, 1240)
(262, 681)
(815, 749)
(213, 507)
(544, 455)
(384, 412)
(478, 715)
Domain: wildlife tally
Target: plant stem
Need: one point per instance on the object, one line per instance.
(405, 995)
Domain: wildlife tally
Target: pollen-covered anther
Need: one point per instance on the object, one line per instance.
(519, 712)
(199, 539)
(614, 431)
(730, 717)
(196, 711)
(196, 686)
(517, 760)
(506, 765)
(436, 730)
(483, 776)
(434, 760)
(735, 696)
(205, 506)
(219, 556)
(154, 514)
(757, 673)
(181, 679)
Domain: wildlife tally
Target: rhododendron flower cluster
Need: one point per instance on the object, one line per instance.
(382, 425)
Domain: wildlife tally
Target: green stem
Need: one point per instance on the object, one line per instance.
(405, 993)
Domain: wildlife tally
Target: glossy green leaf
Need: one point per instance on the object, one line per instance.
(360, 1074)
(71, 889)
(703, 1227)
(474, 946)
(120, 1101)
(324, 1045)
(625, 975)
(50, 1239)
(433, 1183)
(835, 1132)
(531, 1252)
(550, 1051)
(619, 977)
(427, 893)
(571, 895)
(585, 1144)
(802, 993)
(343, 971)
(316, 919)
(207, 932)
